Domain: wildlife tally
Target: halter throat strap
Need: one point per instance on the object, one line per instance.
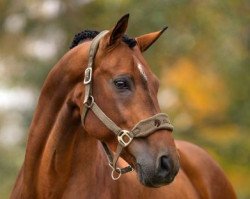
(142, 129)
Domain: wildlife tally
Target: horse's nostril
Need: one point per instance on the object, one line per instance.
(165, 163)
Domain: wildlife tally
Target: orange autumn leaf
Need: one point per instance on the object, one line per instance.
(202, 93)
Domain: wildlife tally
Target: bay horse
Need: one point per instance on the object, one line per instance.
(80, 129)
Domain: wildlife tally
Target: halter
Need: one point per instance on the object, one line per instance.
(142, 129)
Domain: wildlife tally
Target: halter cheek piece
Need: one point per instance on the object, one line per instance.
(124, 137)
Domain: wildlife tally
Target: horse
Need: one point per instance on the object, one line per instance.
(98, 131)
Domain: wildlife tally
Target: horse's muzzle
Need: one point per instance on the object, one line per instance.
(157, 174)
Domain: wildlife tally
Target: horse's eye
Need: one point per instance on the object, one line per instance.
(121, 84)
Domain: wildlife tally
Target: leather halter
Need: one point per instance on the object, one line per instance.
(142, 129)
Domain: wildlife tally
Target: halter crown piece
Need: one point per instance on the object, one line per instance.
(124, 137)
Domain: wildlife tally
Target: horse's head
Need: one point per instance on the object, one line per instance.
(125, 89)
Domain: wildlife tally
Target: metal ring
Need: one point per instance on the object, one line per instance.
(90, 101)
(117, 170)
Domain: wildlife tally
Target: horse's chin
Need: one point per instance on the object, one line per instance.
(148, 179)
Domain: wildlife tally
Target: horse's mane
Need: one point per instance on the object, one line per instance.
(91, 34)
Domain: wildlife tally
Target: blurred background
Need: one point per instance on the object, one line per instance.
(202, 61)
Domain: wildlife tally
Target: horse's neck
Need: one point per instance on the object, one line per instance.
(55, 129)
(90, 173)
(58, 150)
(56, 140)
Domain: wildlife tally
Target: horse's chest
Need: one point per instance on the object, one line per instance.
(129, 187)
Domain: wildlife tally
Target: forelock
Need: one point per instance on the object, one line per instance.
(91, 34)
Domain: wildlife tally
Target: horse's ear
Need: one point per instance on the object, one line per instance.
(145, 41)
(118, 31)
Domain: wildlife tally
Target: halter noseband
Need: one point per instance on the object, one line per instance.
(124, 137)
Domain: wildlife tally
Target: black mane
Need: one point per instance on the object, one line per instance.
(91, 34)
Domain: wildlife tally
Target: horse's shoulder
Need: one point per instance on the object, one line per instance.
(196, 153)
(204, 173)
(195, 159)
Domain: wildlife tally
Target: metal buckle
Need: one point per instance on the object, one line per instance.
(124, 138)
(90, 101)
(88, 75)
